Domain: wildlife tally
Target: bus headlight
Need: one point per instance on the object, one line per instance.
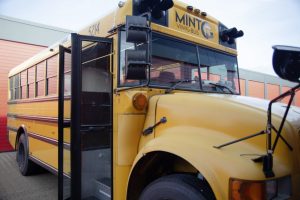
(269, 189)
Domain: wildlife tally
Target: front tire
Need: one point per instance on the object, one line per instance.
(26, 166)
(174, 187)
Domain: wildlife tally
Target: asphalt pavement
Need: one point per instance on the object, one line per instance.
(14, 186)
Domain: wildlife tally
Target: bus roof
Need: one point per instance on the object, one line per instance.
(193, 25)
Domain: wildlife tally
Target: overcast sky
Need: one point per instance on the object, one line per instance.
(264, 22)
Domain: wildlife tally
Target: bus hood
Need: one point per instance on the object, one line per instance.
(227, 113)
(278, 109)
(214, 119)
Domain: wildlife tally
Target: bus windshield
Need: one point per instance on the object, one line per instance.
(185, 66)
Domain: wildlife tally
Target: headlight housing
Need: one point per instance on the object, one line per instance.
(255, 190)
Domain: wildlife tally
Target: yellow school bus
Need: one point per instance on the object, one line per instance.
(141, 104)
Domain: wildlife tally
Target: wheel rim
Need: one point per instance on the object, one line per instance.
(21, 156)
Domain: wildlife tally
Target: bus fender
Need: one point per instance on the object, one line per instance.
(196, 155)
(22, 130)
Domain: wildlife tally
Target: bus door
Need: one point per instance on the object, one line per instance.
(89, 175)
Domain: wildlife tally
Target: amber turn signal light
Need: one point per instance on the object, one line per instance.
(139, 101)
(247, 190)
(256, 190)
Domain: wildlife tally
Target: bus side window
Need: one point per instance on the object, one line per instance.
(24, 84)
(40, 79)
(31, 82)
(11, 88)
(67, 71)
(52, 75)
(17, 86)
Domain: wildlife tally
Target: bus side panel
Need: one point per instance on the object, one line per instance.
(12, 136)
(43, 151)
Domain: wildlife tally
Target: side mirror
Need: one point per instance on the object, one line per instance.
(286, 62)
(137, 29)
(136, 64)
(137, 61)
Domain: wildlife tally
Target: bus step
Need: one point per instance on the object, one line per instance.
(103, 189)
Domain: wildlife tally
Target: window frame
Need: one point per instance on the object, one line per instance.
(43, 64)
(52, 76)
(11, 88)
(67, 72)
(31, 83)
(119, 85)
(17, 86)
(25, 85)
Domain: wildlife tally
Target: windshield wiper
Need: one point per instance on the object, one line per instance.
(223, 86)
(175, 84)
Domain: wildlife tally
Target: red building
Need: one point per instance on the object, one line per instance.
(265, 86)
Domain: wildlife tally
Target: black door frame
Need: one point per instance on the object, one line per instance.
(61, 121)
(76, 88)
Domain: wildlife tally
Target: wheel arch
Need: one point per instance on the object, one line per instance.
(21, 130)
(155, 164)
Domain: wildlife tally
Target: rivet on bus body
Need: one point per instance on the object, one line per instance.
(121, 4)
(197, 11)
(190, 8)
(204, 14)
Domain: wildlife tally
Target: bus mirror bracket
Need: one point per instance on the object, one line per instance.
(137, 60)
